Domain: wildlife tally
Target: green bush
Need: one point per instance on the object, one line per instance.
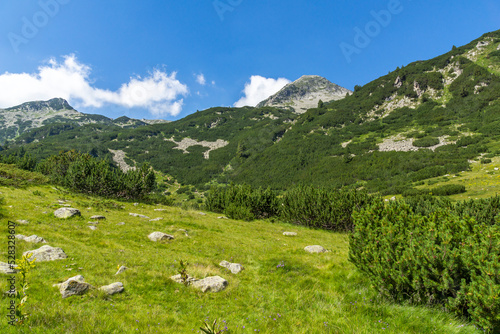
(448, 189)
(425, 142)
(322, 208)
(85, 174)
(439, 258)
(239, 200)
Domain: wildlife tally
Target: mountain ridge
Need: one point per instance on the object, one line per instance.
(305, 93)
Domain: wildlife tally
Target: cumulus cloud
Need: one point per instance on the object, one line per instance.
(158, 92)
(259, 89)
(200, 78)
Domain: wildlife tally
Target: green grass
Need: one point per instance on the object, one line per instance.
(312, 293)
(482, 181)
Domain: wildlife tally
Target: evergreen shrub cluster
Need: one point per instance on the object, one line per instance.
(85, 174)
(432, 252)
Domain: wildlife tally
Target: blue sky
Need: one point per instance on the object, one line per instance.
(167, 59)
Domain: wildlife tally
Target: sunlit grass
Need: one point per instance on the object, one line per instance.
(309, 293)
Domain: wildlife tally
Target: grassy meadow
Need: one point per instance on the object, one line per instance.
(283, 289)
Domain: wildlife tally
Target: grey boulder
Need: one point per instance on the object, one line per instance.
(158, 236)
(67, 212)
(47, 253)
(210, 284)
(74, 286)
(112, 288)
(6, 268)
(235, 268)
(315, 249)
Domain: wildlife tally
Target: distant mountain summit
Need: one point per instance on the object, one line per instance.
(16, 120)
(305, 93)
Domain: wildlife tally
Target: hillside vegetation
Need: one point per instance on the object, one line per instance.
(421, 121)
(282, 289)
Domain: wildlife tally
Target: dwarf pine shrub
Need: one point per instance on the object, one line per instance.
(438, 258)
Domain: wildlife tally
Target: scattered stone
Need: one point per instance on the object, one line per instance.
(33, 238)
(67, 212)
(393, 198)
(290, 234)
(112, 288)
(47, 253)
(93, 228)
(160, 209)
(98, 217)
(158, 236)
(93, 223)
(6, 268)
(496, 168)
(23, 222)
(210, 284)
(122, 269)
(202, 213)
(73, 286)
(178, 279)
(138, 215)
(136, 204)
(315, 249)
(235, 268)
(156, 219)
(122, 223)
(222, 217)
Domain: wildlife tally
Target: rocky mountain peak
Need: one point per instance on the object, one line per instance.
(55, 104)
(305, 93)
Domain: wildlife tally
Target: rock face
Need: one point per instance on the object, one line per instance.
(289, 234)
(74, 286)
(33, 238)
(47, 253)
(67, 212)
(235, 268)
(315, 249)
(6, 269)
(112, 288)
(157, 236)
(305, 93)
(210, 284)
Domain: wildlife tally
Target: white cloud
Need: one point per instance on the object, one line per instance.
(158, 92)
(200, 78)
(259, 89)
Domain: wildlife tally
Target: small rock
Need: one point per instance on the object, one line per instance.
(93, 223)
(98, 217)
(67, 212)
(47, 253)
(160, 209)
(157, 236)
(23, 222)
(136, 204)
(178, 279)
(6, 268)
(33, 238)
(93, 228)
(496, 168)
(290, 234)
(315, 249)
(156, 219)
(74, 286)
(122, 269)
(222, 217)
(210, 284)
(138, 215)
(235, 268)
(122, 223)
(112, 288)
(202, 213)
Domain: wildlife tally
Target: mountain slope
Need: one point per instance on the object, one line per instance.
(17, 120)
(427, 119)
(305, 93)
